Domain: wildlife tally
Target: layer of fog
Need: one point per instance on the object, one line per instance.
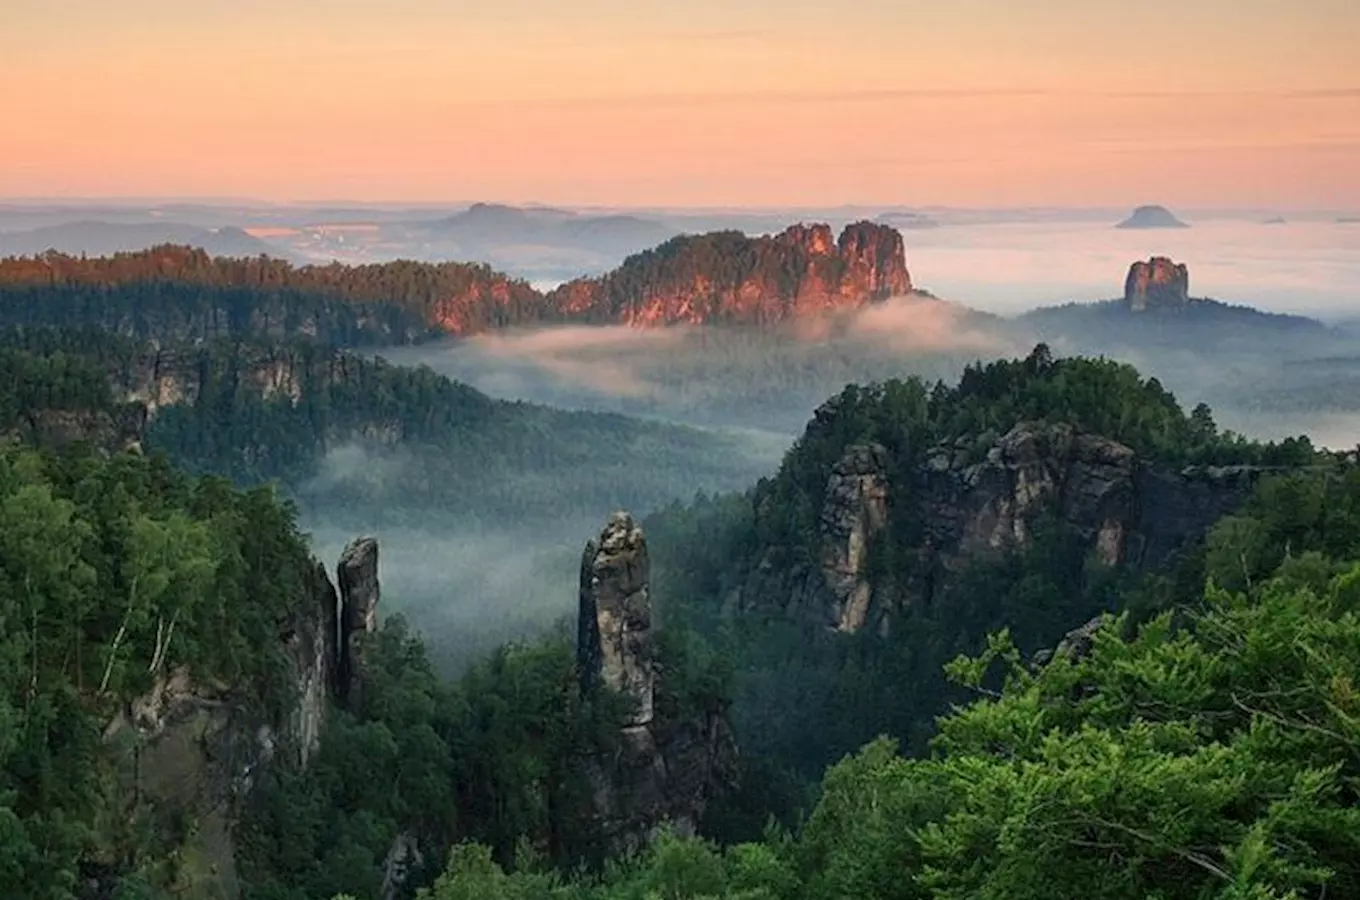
(1308, 267)
(469, 587)
(475, 561)
(761, 383)
(469, 591)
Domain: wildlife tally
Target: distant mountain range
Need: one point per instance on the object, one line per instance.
(486, 226)
(106, 238)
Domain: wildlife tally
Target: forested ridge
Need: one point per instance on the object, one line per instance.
(117, 571)
(342, 430)
(171, 292)
(1201, 744)
(1204, 745)
(179, 293)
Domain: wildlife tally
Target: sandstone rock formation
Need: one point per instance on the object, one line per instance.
(1075, 645)
(720, 277)
(968, 505)
(615, 635)
(727, 277)
(121, 428)
(357, 577)
(1087, 480)
(1157, 284)
(854, 512)
(314, 650)
(665, 767)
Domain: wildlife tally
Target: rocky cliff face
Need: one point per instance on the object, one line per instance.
(1127, 511)
(195, 749)
(1157, 284)
(854, 514)
(111, 431)
(666, 767)
(727, 277)
(158, 377)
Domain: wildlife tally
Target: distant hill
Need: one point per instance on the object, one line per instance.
(489, 226)
(1152, 217)
(1157, 305)
(105, 238)
(1204, 322)
(908, 221)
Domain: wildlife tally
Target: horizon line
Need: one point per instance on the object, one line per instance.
(227, 202)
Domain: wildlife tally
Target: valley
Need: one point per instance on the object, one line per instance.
(837, 484)
(720, 451)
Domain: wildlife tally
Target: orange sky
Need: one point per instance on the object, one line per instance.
(706, 102)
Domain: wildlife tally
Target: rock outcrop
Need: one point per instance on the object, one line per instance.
(195, 748)
(854, 512)
(967, 503)
(1075, 645)
(615, 635)
(109, 431)
(357, 576)
(729, 278)
(1157, 284)
(666, 766)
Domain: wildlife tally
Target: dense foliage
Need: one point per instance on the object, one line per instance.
(1211, 752)
(344, 432)
(114, 574)
(909, 418)
(1204, 745)
(181, 293)
(804, 697)
(490, 757)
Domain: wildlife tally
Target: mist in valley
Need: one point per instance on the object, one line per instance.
(762, 384)
(1267, 378)
(497, 558)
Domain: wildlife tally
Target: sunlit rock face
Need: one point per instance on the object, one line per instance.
(1157, 283)
(730, 278)
(665, 766)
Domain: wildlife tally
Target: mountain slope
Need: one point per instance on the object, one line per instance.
(908, 520)
(389, 441)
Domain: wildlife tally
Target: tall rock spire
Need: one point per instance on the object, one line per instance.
(357, 575)
(615, 626)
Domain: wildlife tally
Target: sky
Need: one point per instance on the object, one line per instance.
(1249, 103)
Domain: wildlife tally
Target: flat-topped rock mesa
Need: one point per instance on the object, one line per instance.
(1157, 284)
(666, 766)
(1152, 217)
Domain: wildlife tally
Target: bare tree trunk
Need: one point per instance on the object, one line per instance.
(118, 638)
(162, 645)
